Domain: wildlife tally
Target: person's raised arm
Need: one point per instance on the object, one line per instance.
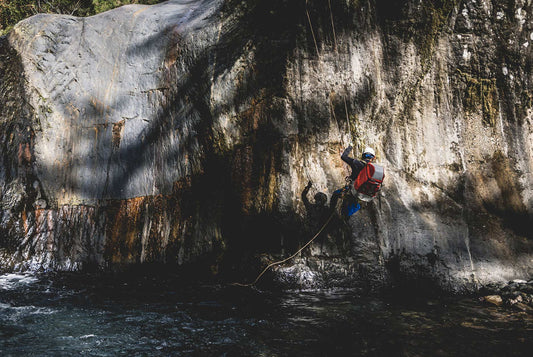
(307, 204)
(345, 155)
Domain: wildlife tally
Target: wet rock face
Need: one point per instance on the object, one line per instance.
(181, 131)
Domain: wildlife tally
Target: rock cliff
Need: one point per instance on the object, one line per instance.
(187, 131)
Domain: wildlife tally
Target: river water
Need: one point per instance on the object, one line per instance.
(146, 316)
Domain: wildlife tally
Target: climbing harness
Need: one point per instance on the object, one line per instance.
(344, 191)
(352, 206)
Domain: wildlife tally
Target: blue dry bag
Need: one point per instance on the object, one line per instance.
(351, 208)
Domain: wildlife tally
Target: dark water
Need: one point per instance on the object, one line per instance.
(88, 316)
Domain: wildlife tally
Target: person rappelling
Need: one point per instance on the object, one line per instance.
(362, 184)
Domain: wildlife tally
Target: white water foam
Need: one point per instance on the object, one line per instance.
(13, 281)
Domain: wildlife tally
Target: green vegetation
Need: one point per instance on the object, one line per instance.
(13, 11)
(358, 140)
(481, 95)
(421, 22)
(104, 5)
(434, 19)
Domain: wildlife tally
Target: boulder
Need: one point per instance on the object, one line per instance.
(493, 300)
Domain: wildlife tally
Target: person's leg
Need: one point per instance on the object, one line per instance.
(334, 198)
(350, 206)
(353, 208)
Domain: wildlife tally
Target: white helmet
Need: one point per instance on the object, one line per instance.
(369, 151)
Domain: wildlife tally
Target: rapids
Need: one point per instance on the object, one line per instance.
(66, 315)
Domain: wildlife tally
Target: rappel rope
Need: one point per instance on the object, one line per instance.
(332, 25)
(299, 250)
(336, 51)
(311, 27)
(289, 258)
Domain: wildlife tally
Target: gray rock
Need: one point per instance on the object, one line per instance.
(527, 289)
(40, 204)
(13, 196)
(526, 298)
(515, 300)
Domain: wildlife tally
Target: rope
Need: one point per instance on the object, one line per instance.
(292, 256)
(311, 26)
(336, 46)
(332, 25)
